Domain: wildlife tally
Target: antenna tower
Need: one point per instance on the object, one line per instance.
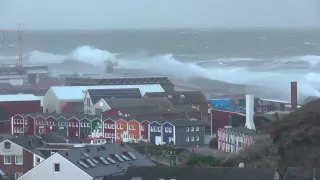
(19, 33)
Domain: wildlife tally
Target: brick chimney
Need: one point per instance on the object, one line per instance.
(294, 96)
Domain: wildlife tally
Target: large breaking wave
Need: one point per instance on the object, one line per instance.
(279, 80)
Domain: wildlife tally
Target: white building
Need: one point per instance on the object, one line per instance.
(56, 97)
(87, 163)
(234, 139)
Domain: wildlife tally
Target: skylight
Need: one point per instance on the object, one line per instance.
(85, 155)
(95, 161)
(118, 157)
(125, 157)
(91, 163)
(104, 160)
(111, 160)
(132, 155)
(83, 164)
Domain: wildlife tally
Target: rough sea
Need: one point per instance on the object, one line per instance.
(229, 61)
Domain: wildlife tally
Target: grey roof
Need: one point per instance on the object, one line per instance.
(25, 142)
(97, 94)
(106, 151)
(192, 97)
(193, 173)
(242, 130)
(297, 173)
(142, 102)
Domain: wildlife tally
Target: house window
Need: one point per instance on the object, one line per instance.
(121, 126)
(187, 129)
(151, 128)
(187, 139)
(118, 126)
(159, 129)
(258, 109)
(7, 146)
(170, 129)
(77, 124)
(56, 167)
(142, 127)
(72, 124)
(26, 121)
(197, 128)
(112, 126)
(129, 127)
(265, 109)
(81, 124)
(197, 138)
(118, 136)
(77, 133)
(192, 138)
(192, 128)
(6, 159)
(19, 160)
(133, 127)
(69, 124)
(38, 160)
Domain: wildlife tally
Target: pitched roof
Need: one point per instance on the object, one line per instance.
(192, 173)
(112, 166)
(77, 92)
(141, 102)
(75, 107)
(298, 173)
(19, 97)
(193, 97)
(24, 141)
(97, 94)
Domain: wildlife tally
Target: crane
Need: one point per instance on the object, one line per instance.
(19, 33)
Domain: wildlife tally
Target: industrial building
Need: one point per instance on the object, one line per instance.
(57, 96)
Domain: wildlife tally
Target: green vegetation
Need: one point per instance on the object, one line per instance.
(213, 143)
(199, 160)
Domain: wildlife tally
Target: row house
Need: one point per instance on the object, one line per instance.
(234, 139)
(154, 130)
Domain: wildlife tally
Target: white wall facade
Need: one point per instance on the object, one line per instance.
(229, 141)
(51, 102)
(45, 170)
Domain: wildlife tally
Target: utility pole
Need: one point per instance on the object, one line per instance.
(19, 33)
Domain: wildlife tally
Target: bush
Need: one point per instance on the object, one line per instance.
(200, 160)
(263, 148)
(213, 143)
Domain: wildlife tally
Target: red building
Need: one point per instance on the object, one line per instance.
(16, 158)
(10, 105)
(144, 130)
(74, 127)
(51, 123)
(29, 125)
(109, 129)
(221, 118)
(40, 127)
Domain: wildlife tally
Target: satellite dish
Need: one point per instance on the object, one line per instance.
(241, 165)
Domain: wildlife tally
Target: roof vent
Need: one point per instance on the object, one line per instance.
(241, 165)
(67, 153)
(103, 148)
(87, 149)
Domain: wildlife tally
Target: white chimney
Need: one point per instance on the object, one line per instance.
(250, 112)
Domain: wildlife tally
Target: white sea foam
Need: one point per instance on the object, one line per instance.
(167, 64)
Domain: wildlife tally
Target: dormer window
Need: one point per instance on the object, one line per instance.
(7, 145)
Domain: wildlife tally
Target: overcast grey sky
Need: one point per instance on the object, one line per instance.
(91, 14)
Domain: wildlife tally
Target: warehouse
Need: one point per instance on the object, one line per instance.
(11, 105)
(57, 97)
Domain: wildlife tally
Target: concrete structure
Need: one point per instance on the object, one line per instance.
(294, 96)
(250, 112)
